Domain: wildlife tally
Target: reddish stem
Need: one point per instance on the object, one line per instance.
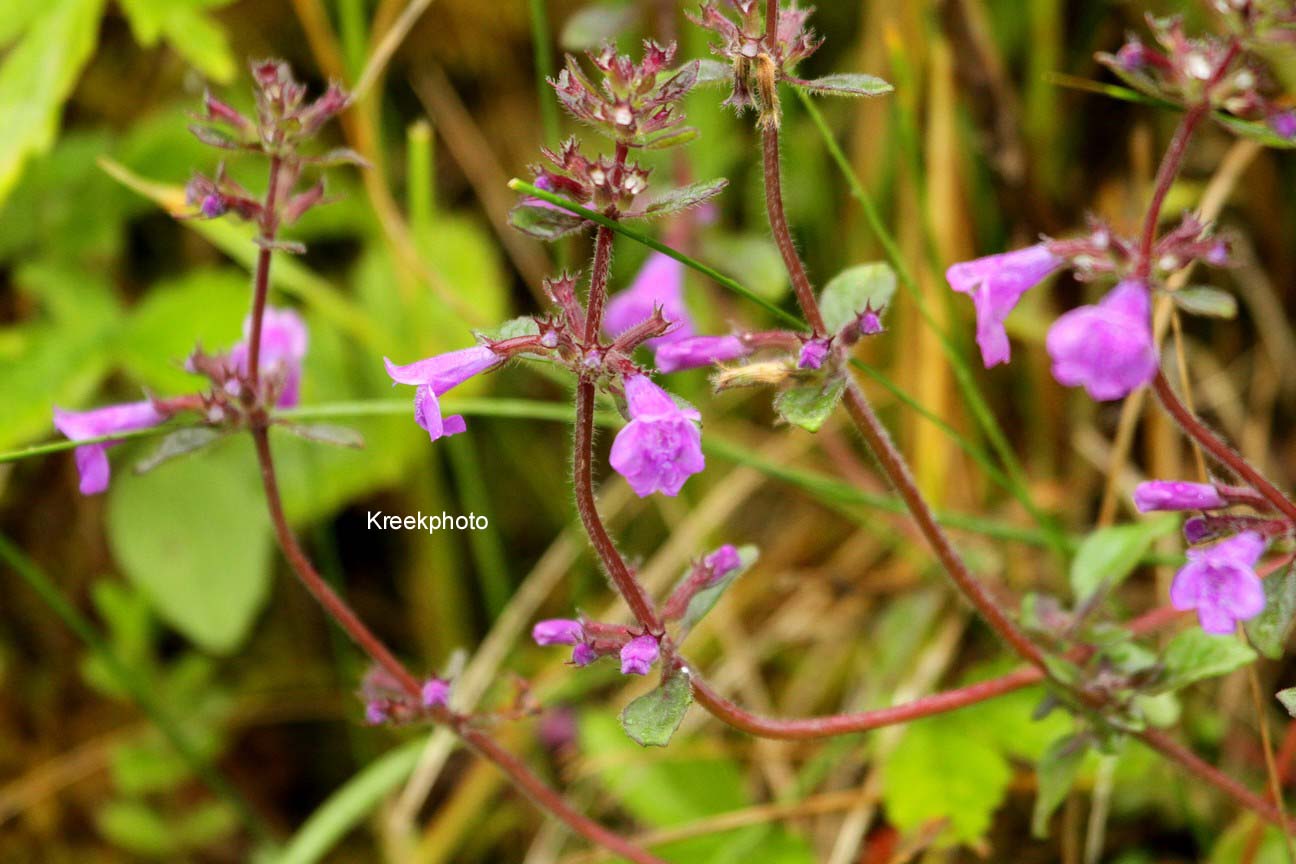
(598, 285)
(779, 226)
(261, 286)
(1214, 445)
(626, 584)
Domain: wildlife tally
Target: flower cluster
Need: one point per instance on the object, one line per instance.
(1187, 69)
(283, 348)
(1219, 580)
(385, 703)
(637, 651)
(636, 103)
(757, 65)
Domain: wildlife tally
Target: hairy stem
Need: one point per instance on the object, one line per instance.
(626, 583)
(778, 224)
(1222, 452)
(598, 284)
(261, 284)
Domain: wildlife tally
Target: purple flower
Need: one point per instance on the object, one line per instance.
(376, 713)
(870, 323)
(1284, 124)
(659, 283)
(696, 351)
(1174, 495)
(813, 354)
(583, 654)
(661, 446)
(995, 284)
(437, 375)
(1220, 582)
(1107, 348)
(435, 693)
(283, 347)
(92, 459)
(639, 654)
(558, 631)
(723, 561)
(213, 206)
(1197, 528)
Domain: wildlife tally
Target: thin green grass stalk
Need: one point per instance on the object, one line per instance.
(487, 547)
(141, 692)
(1015, 481)
(420, 181)
(542, 50)
(353, 30)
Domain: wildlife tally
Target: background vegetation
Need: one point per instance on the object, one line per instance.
(171, 580)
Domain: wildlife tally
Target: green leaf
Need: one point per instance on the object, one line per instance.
(652, 719)
(848, 293)
(1269, 630)
(37, 75)
(751, 258)
(524, 325)
(544, 222)
(1109, 555)
(938, 771)
(1206, 301)
(670, 138)
(179, 443)
(1056, 773)
(136, 827)
(188, 28)
(809, 405)
(704, 600)
(714, 72)
(1195, 655)
(326, 433)
(1254, 130)
(596, 24)
(846, 84)
(1287, 697)
(195, 540)
(683, 198)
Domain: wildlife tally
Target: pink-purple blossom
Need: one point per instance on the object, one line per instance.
(437, 375)
(660, 283)
(1176, 495)
(723, 561)
(1107, 348)
(435, 693)
(639, 654)
(1220, 582)
(661, 446)
(558, 631)
(995, 284)
(284, 340)
(870, 323)
(813, 354)
(583, 654)
(92, 459)
(698, 351)
(1283, 123)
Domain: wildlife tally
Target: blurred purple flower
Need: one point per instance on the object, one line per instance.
(283, 347)
(376, 713)
(437, 375)
(1220, 582)
(813, 354)
(723, 561)
(1106, 348)
(557, 631)
(661, 446)
(1176, 495)
(435, 693)
(995, 284)
(583, 654)
(870, 323)
(639, 654)
(659, 283)
(1283, 124)
(92, 459)
(696, 351)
